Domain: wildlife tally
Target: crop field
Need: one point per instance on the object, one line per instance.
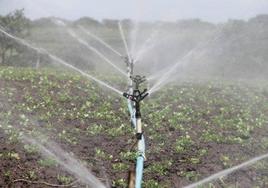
(133, 94)
(193, 129)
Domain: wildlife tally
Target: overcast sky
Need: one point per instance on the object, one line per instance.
(208, 10)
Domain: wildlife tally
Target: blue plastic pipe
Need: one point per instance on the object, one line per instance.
(140, 163)
(139, 171)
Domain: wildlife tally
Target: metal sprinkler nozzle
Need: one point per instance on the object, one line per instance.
(137, 96)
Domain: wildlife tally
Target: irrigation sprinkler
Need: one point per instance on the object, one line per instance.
(135, 96)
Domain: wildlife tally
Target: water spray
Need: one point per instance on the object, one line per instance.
(100, 41)
(123, 36)
(58, 60)
(227, 171)
(97, 52)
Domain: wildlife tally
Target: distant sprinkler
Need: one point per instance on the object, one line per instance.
(138, 80)
(130, 65)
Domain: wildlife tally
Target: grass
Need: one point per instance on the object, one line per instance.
(189, 127)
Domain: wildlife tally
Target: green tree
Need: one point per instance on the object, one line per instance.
(16, 24)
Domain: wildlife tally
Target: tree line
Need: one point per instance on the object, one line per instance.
(16, 24)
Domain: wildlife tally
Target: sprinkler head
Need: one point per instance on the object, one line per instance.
(137, 95)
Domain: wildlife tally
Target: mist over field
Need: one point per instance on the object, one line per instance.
(234, 49)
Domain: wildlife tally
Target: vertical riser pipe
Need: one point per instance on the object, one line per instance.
(140, 162)
(139, 171)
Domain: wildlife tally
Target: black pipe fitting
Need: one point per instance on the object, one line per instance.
(139, 136)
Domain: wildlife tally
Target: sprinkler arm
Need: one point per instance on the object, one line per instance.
(137, 96)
